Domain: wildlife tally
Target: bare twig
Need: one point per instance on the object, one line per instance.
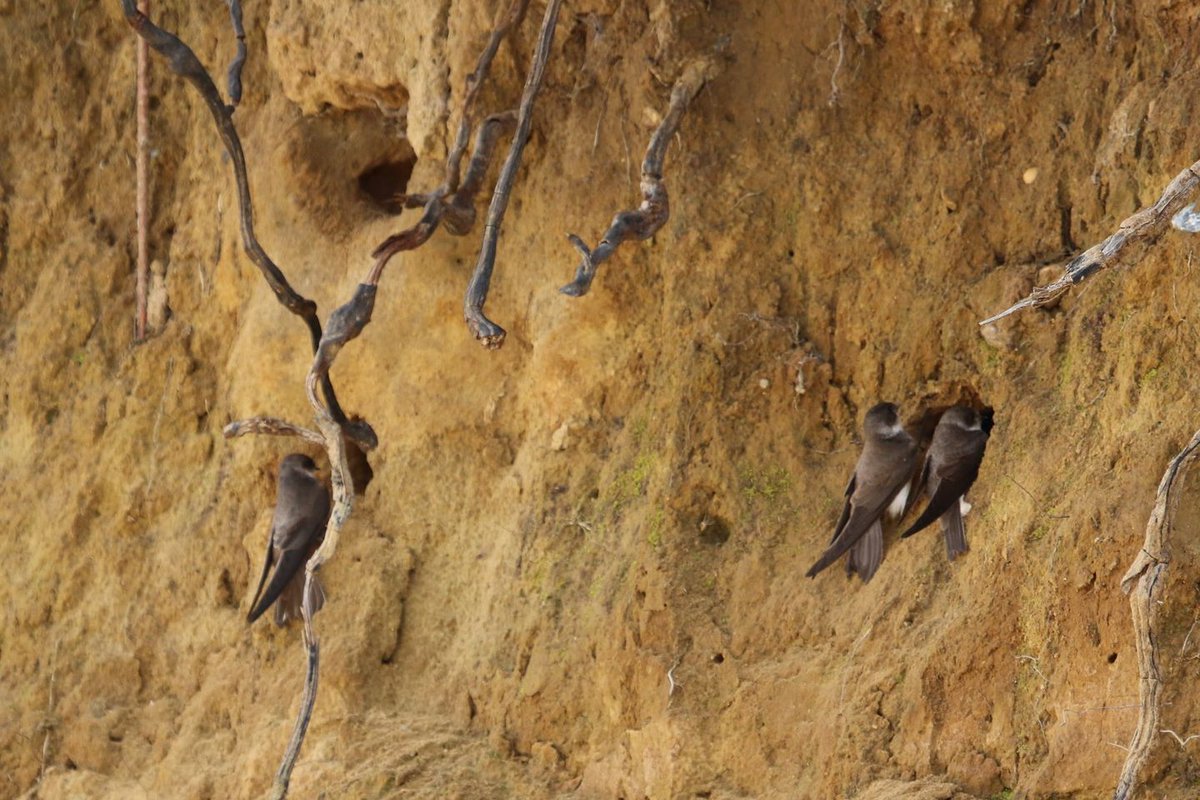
(271, 426)
(456, 202)
(234, 78)
(1145, 582)
(184, 63)
(835, 92)
(512, 19)
(1033, 664)
(1144, 228)
(655, 207)
(1182, 742)
(489, 334)
(456, 207)
(50, 722)
(1187, 638)
(673, 684)
(143, 181)
(312, 661)
(344, 324)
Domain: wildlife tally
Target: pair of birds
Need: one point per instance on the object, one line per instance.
(882, 483)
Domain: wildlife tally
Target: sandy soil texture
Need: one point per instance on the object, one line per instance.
(578, 570)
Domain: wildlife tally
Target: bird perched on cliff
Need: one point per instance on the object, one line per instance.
(297, 529)
(950, 468)
(879, 483)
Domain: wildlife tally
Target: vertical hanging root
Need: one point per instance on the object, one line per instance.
(143, 181)
(183, 62)
(489, 334)
(1145, 582)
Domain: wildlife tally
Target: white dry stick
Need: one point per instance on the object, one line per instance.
(1182, 742)
(1142, 228)
(673, 684)
(1145, 583)
(143, 179)
(50, 714)
(835, 92)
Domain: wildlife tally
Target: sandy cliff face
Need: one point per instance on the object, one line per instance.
(629, 492)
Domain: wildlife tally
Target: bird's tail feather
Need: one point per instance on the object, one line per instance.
(867, 553)
(291, 599)
(955, 533)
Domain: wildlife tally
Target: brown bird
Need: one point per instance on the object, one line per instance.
(297, 529)
(950, 468)
(879, 483)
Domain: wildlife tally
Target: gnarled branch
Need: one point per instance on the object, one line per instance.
(457, 207)
(1143, 227)
(654, 210)
(183, 62)
(460, 208)
(1145, 582)
(489, 334)
(271, 426)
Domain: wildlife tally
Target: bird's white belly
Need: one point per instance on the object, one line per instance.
(898, 502)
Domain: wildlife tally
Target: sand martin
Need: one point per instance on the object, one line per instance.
(950, 468)
(297, 529)
(879, 484)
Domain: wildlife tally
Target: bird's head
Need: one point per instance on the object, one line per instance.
(883, 421)
(962, 417)
(297, 462)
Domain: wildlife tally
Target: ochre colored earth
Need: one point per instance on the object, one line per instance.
(578, 571)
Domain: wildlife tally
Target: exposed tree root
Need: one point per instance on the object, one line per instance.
(1145, 582)
(654, 210)
(1142, 228)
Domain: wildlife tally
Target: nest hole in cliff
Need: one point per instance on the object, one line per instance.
(347, 168)
(360, 469)
(384, 184)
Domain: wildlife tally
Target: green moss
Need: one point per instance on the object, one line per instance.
(764, 483)
(1003, 794)
(630, 483)
(654, 537)
(1038, 533)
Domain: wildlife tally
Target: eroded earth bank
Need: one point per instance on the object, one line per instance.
(634, 485)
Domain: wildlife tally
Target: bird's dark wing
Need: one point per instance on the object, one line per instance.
(948, 482)
(841, 523)
(290, 566)
(859, 520)
(879, 475)
(914, 488)
(262, 579)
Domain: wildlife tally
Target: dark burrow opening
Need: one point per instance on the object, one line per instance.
(385, 183)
